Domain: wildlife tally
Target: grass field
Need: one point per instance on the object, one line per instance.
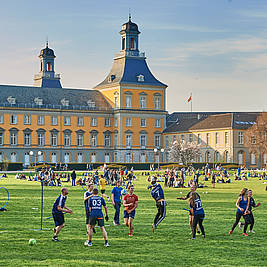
(170, 245)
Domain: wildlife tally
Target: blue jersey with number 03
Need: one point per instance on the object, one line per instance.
(157, 192)
(96, 203)
(197, 209)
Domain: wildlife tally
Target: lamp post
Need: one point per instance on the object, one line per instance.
(162, 151)
(156, 151)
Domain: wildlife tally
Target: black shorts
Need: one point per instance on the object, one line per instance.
(58, 218)
(103, 191)
(93, 220)
(87, 215)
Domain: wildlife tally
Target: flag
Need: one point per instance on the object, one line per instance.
(189, 99)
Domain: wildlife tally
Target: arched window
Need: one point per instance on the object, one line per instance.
(132, 44)
(241, 157)
(253, 158)
(49, 66)
(216, 156)
(207, 156)
(122, 43)
(226, 157)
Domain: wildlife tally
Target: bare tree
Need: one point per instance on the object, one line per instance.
(256, 138)
(183, 152)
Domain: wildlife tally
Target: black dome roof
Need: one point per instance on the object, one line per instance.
(130, 26)
(47, 52)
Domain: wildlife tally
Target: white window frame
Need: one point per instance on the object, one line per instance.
(143, 123)
(27, 139)
(40, 120)
(128, 101)
(54, 120)
(94, 121)
(157, 123)
(157, 140)
(143, 101)
(54, 139)
(80, 121)
(67, 139)
(80, 139)
(107, 122)
(40, 139)
(128, 122)
(240, 138)
(67, 120)
(143, 140)
(13, 138)
(27, 119)
(157, 102)
(13, 119)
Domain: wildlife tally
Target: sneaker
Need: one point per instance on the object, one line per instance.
(245, 234)
(86, 243)
(153, 228)
(193, 238)
(116, 224)
(251, 231)
(130, 234)
(240, 225)
(230, 232)
(203, 236)
(106, 244)
(108, 198)
(55, 239)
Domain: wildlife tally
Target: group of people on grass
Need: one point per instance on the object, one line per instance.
(94, 202)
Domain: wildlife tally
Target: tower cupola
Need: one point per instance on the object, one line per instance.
(129, 38)
(47, 76)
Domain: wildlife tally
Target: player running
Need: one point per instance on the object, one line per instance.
(96, 216)
(242, 205)
(130, 203)
(250, 218)
(102, 184)
(158, 194)
(198, 214)
(58, 208)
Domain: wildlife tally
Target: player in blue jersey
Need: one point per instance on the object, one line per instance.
(87, 195)
(242, 205)
(158, 194)
(58, 208)
(198, 212)
(96, 216)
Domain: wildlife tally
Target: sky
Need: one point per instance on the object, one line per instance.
(214, 49)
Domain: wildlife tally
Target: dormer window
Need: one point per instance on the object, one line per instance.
(111, 78)
(140, 78)
(38, 101)
(65, 102)
(91, 103)
(11, 100)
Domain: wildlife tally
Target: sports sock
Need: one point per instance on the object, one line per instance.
(106, 241)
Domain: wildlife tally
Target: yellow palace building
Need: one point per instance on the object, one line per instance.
(120, 120)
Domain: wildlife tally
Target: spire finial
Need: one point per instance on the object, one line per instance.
(130, 14)
(46, 41)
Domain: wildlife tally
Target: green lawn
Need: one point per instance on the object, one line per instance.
(170, 245)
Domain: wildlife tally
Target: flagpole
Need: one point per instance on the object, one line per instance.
(191, 103)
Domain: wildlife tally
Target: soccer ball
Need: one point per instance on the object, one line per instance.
(124, 191)
(32, 242)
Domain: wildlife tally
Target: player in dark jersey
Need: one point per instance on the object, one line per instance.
(87, 195)
(198, 213)
(242, 205)
(158, 194)
(58, 208)
(193, 189)
(250, 217)
(130, 202)
(96, 216)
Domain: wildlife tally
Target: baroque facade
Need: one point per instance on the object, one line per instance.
(120, 120)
